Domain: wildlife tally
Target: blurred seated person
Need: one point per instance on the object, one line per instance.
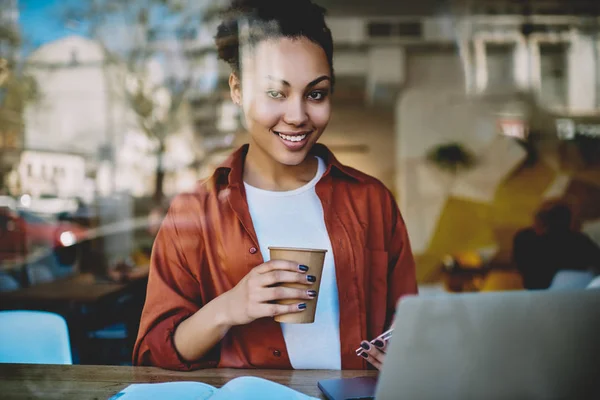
(552, 244)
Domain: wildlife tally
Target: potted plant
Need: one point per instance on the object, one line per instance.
(451, 156)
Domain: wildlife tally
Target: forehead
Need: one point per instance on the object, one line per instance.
(296, 60)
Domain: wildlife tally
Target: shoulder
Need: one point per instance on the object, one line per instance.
(183, 203)
(526, 234)
(190, 206)
(372, 195)
(355, 180)
(367, 183)
(203, 192)
(585, 240)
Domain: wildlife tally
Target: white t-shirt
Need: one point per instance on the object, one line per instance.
(295, 219)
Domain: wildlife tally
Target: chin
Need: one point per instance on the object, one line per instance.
(291, 159)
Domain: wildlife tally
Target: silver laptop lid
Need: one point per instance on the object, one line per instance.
(502, 345)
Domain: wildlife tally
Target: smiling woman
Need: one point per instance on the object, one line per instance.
(288, 119)
(285, 84)
(213, 289)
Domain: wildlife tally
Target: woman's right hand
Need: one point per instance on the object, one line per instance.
(255, 295)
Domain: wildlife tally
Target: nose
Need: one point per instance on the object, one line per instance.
(295, 112)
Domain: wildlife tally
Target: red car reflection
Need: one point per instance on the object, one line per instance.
(22, 232)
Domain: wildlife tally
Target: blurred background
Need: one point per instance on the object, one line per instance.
(481, 116)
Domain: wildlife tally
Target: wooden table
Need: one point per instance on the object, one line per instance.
(80, 382)
(78, 288)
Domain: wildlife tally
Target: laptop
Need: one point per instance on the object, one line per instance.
(497, 345)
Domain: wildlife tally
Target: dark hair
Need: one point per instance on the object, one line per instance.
(271, 19)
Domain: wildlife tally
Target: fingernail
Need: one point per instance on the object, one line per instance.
(312, 293)
(378, 343)
(365, 345)
(302, 306)
(311, 278)
(365, 355)
(303, 268)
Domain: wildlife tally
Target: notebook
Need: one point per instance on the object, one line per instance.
(244, 388)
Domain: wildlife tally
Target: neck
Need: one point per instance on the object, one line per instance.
(263, 172)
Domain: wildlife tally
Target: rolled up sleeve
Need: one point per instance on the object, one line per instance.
(173, 294)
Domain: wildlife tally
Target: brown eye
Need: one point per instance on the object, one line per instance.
(317, 95)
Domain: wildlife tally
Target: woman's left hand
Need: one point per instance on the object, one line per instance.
(374, 352)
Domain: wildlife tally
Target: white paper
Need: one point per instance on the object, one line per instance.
(166, 391)
(244, 388)
(251, 388)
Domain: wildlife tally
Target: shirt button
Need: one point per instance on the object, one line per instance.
(276, 353)
(253, 250)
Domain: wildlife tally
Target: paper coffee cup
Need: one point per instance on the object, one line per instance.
(313, 259)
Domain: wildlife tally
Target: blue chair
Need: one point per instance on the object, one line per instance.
(571, 280)
(34, 337)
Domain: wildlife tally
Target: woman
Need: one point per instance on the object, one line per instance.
(210, 298)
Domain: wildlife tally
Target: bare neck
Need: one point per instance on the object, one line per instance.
(264, 172)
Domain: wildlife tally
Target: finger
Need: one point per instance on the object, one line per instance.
(281, 276)
(272, 310)
(282, 292)
(281, 265)
(377, 364)
(380, 344)
(373, 352)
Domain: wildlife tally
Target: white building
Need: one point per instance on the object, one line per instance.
(83, 109)
(77, 110)
(52, 173)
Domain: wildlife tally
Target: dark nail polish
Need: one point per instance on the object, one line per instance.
(302, 306)
(378, 343)
(312, 293)
(303, 268)
(365, 345)
(311, 278)
(365, 355)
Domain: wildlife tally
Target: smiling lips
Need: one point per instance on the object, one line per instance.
(294, 141)
(292, 136)
(297, 138)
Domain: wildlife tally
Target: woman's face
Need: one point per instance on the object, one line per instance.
(285, 94)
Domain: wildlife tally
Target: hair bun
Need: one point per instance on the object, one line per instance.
(227, 43)
(271, 18)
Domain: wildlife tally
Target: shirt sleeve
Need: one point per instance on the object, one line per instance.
(173, 294)
(402, 279)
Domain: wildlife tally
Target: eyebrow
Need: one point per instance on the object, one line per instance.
(311, 84)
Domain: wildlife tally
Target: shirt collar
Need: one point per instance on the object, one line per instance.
(231, 170)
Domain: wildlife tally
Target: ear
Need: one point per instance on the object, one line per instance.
(235, 89)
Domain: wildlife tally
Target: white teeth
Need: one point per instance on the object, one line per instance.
(297, 138)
